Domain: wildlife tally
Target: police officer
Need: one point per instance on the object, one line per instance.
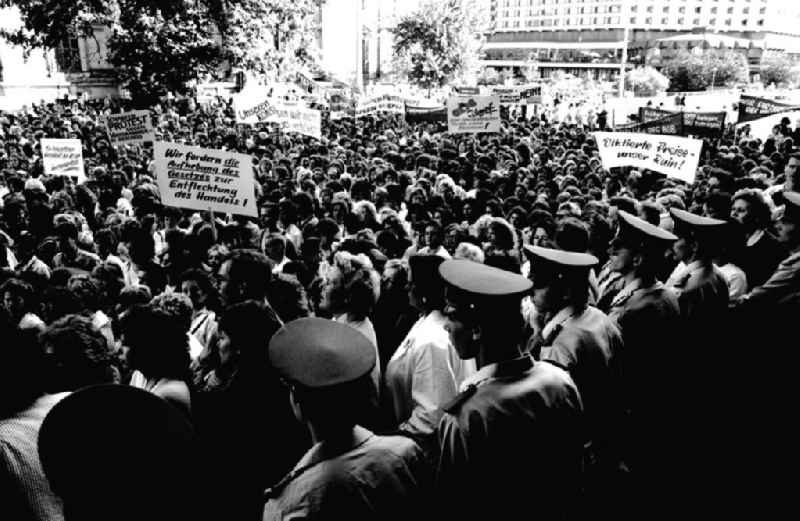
(349, 472)
(583, 340)
(647, 314)
(511, 440)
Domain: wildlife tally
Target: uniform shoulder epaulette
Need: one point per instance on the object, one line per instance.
(455, 404)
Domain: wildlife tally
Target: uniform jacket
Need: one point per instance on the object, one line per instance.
(371, 477)
(511, 443)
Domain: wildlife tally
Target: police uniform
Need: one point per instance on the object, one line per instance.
(511, 440)
(647, 314)
(359, 475)
(589, 345)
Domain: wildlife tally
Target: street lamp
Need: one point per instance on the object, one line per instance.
(713, 77)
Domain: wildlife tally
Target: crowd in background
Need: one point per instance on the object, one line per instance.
(102, 284)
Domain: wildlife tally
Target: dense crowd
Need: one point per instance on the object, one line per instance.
(418, 325)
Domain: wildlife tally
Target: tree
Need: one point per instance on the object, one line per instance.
(646, 81)
(693, 70)
(271, 38)
(439, 43)
(162, 45)
(776, 67)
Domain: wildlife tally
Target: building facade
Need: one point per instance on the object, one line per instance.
(592, 38)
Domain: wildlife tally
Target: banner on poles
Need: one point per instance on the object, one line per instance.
(670, 125)
(130, 127)
(425, 114)
(473, 114)
(674, 156)
(297, 118)
(762, 128)
(205, 179)
(63, 157)
(377, 104)
(701, 124)
(752, 107)
(507, 95)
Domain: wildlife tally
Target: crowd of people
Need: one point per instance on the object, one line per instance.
(418, 325)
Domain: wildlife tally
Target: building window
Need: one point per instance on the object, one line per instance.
(762, 10)
(713, 10)
(746, 10)
(634, 8)
(665, 9)
(664, 21)
(615, 20)
(730, 10)
(696, 22)
(728, 21)
(760, 22)
(744, 21)
(681, 9)
(633, 19)
(648, 21)
(698, 10)
(680, 21)
(712, 21)
(649, 8)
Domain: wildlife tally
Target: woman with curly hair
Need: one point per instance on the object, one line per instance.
(350, 290)
(762, 252)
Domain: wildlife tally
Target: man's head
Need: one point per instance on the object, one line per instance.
(638, 247)
(698, 237)
(482, 306)
(788, 227)
(792, 173)
(560, 278)
(245, 276)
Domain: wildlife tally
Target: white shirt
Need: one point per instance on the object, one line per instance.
(424, 374)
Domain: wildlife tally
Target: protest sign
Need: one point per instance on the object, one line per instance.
(377, 104)
(130, 127)
(752, 107)
(473, 114)
(507, 95)
(469, 91)
(425, 114)
(670, 125)
(674, 156)
(205, 179)
(701, 124)
(253, 107)
(297, 118)
(63, 157)
(762, 128)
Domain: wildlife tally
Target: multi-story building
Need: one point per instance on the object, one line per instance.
(591, 37)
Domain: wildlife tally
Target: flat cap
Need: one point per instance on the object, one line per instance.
(317, 352)
(564, 259)
(481, 280)
(637, 232)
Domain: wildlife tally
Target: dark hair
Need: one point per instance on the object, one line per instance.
(288, 298)
(158, 343)
(238, 322)
(23, 382)
(572, 234)
(248, 277)
(758, 206)
(206, 285)
(87, 292)
(77, 354)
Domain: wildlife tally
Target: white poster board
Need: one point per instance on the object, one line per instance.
(473, 114)
(130, 127)
(377, 104)
(252, 107)
(671, 155)
(297, 118)
(205, 179)
(63, 157)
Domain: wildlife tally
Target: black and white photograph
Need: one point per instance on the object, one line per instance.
(405, 260)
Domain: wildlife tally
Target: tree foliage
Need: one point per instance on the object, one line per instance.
(439, 43)
(691, 71)
(162, 45)
(777, 68)
(646, 81)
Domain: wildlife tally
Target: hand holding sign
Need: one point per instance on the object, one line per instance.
(674, 156)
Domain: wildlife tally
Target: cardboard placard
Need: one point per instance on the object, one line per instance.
(130, 127)
(205, 179)
(674, 156)
(473, 114)
(63, 157)
(377, 104)
(297, 118)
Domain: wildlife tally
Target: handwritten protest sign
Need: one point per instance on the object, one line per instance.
(253, 107)
(473, 114)
(674, 156)
(297, 118)
(203, 179)
(130, 127)
(385, 103)
(63, 157)
(752, 107)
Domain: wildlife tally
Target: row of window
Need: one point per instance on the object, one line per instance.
(612, 9)
(521, 3)
(611, 20)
